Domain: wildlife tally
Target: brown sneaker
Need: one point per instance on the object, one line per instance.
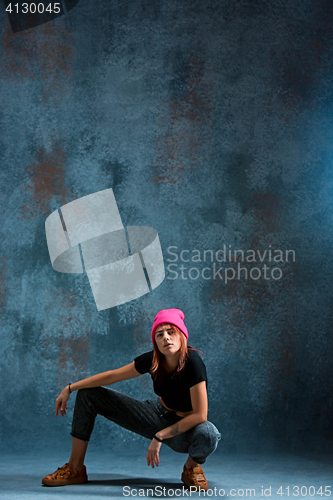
(194, 476)
(65, 475)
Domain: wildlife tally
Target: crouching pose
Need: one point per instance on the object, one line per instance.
(177, 418)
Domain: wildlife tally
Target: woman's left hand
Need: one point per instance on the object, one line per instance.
(153, 453)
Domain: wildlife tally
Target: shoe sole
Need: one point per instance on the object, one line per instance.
(189, 485)
(64, 482)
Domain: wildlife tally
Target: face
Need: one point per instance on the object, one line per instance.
(167, 339)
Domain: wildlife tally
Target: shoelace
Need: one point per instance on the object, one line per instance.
(64, 468)
(198, 476)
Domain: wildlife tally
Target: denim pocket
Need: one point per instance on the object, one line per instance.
(156, 405)
(168, 415)
(171, 416)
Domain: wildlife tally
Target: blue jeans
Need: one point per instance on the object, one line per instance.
(142, 417)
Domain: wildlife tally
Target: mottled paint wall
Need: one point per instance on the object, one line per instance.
(212, 122)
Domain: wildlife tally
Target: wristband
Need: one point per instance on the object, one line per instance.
(69, 388)
(158, 439)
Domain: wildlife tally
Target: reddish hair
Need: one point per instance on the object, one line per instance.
(158, 368)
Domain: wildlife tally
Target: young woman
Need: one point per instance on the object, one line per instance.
(178, 417)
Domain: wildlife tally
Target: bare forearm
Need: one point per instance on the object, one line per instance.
(104, 378)
(183, 425)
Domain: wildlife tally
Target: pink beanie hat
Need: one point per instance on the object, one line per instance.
(172, 316)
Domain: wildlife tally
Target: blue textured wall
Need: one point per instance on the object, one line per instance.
(212, 122)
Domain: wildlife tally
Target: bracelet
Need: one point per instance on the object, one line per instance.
(69, 388)
(158, 439)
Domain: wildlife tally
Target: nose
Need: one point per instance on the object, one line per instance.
(166, 336)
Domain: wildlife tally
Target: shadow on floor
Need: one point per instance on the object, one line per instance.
(134, 483)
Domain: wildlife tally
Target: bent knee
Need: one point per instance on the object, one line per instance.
(209, 433)
(89, 392)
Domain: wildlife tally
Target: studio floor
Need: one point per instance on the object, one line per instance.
(125, 474)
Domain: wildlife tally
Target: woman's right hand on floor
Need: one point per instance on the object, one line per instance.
(61, 402)
(153, 453)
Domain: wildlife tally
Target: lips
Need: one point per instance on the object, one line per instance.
(168, 345)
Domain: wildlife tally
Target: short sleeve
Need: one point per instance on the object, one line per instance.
(195, 369)
(143, 362)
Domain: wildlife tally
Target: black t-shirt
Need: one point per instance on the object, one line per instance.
(175, 392)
